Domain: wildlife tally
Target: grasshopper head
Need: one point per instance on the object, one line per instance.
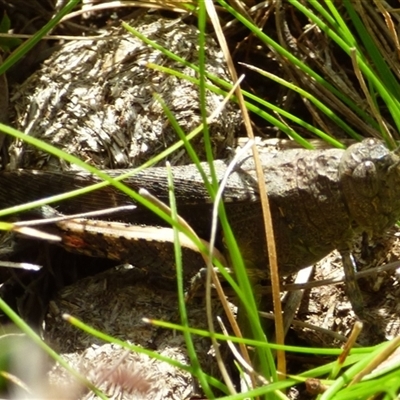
(370, 183)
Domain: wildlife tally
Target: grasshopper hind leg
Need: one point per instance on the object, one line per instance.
(352, 289)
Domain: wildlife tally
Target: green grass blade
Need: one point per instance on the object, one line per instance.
(391, 101)
(181, 295)
(18, 53)
(34, 337)
(295, 61)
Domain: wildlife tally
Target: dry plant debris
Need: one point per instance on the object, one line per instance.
(95, 99)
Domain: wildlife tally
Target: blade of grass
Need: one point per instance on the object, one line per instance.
(379, 85)
(354, 370)
(356, 353)
(181, 295)
(109, 339)
(265, 360)
(241, 294)
(201, 18)
(321, 106)
(19, 52)
(74, 160)
(113, 181)
(382, 69)
(263, 114)
(290, 132)
(221, 83)
(32, 335)
(295, 61)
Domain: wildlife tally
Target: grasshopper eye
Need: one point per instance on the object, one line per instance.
(365, 179)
